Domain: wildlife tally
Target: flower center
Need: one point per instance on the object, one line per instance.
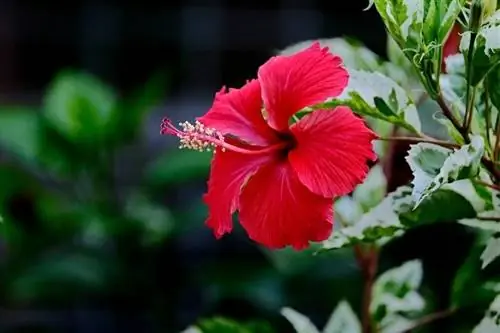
(201, 138)
(289, 143)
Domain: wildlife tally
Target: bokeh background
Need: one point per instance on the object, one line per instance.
(102, 217)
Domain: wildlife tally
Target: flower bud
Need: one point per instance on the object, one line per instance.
(476, 14)
(490, 6)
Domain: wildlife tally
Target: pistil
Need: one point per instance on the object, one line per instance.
(201, 138)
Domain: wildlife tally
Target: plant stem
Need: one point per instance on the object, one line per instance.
(488, 164)
(492, 186)
(430, 318)
(470, 93)
(487, 114)
(368, 262)
(469, 112)
(448, 114)
(497, 141)
(422, 139)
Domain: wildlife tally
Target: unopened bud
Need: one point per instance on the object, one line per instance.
(476, 15)
(490, 7)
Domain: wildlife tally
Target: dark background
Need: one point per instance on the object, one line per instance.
(198, 46)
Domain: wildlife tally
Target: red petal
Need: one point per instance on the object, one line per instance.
(333, 147)
(228, 172)
(290, 83)
(276, 210)
(239, 113)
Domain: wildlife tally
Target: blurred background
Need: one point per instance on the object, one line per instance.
(102, 225)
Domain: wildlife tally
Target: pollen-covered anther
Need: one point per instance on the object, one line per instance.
(193, 136)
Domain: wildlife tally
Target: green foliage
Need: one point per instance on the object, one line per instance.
(177, 166)
(376, 95)
(80, 107)
(486, 52)
(225, 325)
(420, 28)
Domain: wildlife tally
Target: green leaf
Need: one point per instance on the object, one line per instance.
(378, 96)
(401, 70)
(395, 296)
(343, 320)
(20, 132)
(491, 320)
(486, 48)
(177, 166)
(491, 210)
(403, 19)
(300, 323)
(224, 325)
(491, 252)
(434, 166)
(155, 221)
(80, 107)
(372, 191)
(492, 83)
(418, 24)
(430, 210)
(48, 277)
(354, 55)
(221, 325)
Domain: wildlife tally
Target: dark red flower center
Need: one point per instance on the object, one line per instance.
(289, 143)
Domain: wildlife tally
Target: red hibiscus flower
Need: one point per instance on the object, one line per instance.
(281, 178)
(452, 45)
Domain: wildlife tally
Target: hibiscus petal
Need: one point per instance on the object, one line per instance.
(228, 173)
(239, 113)
(276, 210)
(332, 151)
(290, 83)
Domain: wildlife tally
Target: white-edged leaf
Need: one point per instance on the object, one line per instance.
(347, 210)
(378, 96)
(397, 212)
(343, 320)
(491, 320)
(434, 166)
(491, 252)
(395, 296)
(300, 323)
(380, 223)
(372, 190)
(490, 209)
